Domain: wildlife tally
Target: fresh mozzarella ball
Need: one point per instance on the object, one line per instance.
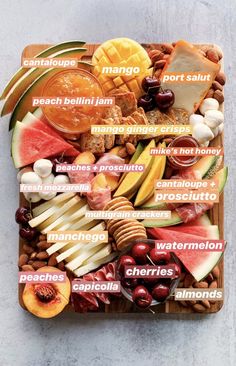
(202, 133)
(195, 119)
(49, 179)
(205, 144)
(47, 195)
(30, 178)
(43, 167)
(213, 118)
(61, 179)
(221, 128)
(32, 197)
(22, 171)
(209, 104)
(215, 131)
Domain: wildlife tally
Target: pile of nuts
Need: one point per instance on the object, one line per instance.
(211, 281)
(159, 56)
(128, 150)
(34, 256)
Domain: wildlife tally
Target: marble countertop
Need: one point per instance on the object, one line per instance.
(100, 340)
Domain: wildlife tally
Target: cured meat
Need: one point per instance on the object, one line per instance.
(97, 200)
(110, 159)
(192, 211)
(80, 177)
(84, 301)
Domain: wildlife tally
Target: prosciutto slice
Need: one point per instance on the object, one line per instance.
(192, 211)
(97, 200)
(110, 159)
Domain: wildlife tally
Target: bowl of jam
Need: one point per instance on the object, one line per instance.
(183, 161)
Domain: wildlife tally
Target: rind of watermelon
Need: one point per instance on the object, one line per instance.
(34, 122)
(198, 263)
(30, 144)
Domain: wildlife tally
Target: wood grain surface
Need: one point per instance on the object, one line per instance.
(216, 215)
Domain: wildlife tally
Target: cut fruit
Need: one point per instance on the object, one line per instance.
(47, 300)
(138, 152)
(45, 53)
(156, 172)
(24, 104)
(32, 74)
(121, 52)
(30, 144)
(134, 180)
(34, 122)
(198, 263)
(201, 221)
(174, 220)
(208, 232)
(221, 178)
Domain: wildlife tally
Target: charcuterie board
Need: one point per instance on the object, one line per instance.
(216, 216)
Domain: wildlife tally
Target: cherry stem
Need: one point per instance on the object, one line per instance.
(150, 260)
(151, 311)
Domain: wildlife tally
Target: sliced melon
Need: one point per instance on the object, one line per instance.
(30, 76)
(45, 53)
(138, 151)
(24, 104)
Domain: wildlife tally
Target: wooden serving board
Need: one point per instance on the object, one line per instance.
(216, 216)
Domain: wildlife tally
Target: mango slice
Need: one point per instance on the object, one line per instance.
(133, 180)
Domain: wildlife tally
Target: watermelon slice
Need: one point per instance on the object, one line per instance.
(208, 232)
(32, 121)
(198, 263)
(30, 144)
(201, 221)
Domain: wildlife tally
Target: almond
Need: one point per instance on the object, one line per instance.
(214, 284)
(221, 78)
(33, 256)
(42, 237)
(219, 96)
(122, 153)
(210, 93)
(27, 268)
(165, 47)
(212, 55)
(23, 259)
(27, 249)
(156, 55)
(199, 308)
(39, 264)
(61, 266)
(42, 255)
(43, 245)
(202, 284)
(183, 303)
(188, 281)
(52, 259)
(191, 302)
(217, 86)
(206, 303)
(216, 272)
(130, 148)
(159, 64)
(157, 73)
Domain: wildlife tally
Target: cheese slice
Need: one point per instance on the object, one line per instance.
(186, 58)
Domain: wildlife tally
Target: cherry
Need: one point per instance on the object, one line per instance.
(129, 282)
(28, 233)
(139, 252)
(158, 257)
(147, 102)
(164, 99)
(141, 297)
(160, 292)
(57, 161)
(151, 85)
(23, 215)
(150, 281)
(125, 260)
(177, 270)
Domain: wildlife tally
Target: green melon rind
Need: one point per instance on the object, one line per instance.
(17, 112)
(45, 53)
(31, 75)
(16, 137)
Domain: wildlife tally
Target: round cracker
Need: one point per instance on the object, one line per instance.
(126, 232)
(125, 242)
(115, 224)
(115, 200)
(135, 234)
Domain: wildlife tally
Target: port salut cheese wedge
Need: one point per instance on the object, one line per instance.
(186, 58)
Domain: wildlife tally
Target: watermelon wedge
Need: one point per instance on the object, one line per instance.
(30, 144)
(198, 263)
(208, 232)
(39, 124)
